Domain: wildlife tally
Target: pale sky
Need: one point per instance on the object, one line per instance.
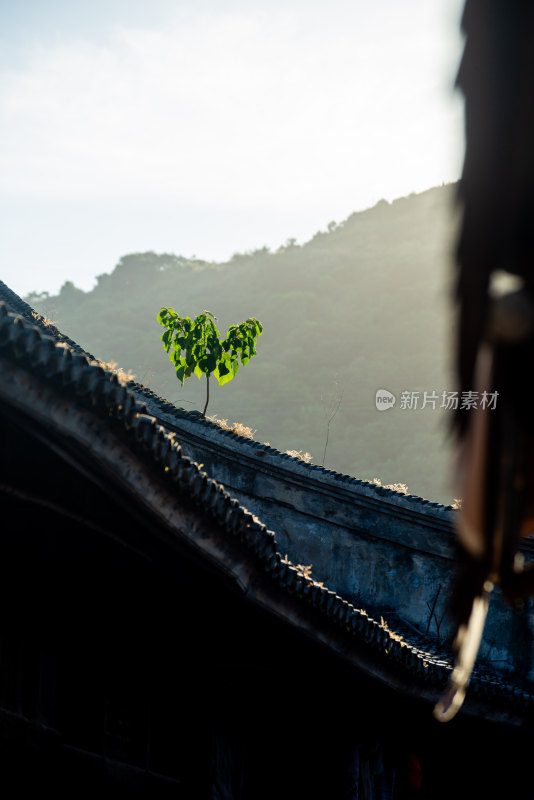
(206, 128)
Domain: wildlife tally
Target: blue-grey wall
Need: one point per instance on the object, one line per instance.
(389, 552)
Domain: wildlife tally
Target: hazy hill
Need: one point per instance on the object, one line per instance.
(362, 306)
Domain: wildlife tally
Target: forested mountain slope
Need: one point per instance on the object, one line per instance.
(364, 305)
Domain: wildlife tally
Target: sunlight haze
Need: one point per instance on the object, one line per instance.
(209, 128)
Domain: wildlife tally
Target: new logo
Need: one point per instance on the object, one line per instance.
(384, 399)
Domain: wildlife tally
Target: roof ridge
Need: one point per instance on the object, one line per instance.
(197, 418)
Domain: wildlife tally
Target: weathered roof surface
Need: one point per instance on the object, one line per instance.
(401, 659)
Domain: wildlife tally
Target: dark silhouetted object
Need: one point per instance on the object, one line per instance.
(495, 344)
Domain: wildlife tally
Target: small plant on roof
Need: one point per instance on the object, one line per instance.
(194, 346)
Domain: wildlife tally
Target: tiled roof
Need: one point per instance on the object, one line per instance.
(43, 350)
(313, 470)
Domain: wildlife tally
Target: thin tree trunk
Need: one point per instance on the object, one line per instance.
(207, 395)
